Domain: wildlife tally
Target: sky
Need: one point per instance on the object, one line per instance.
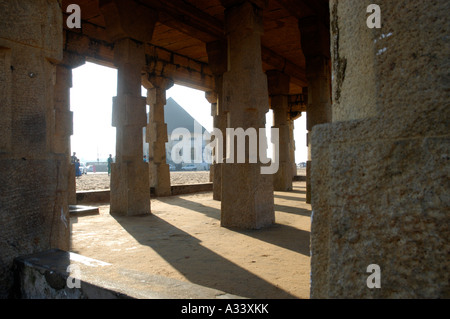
(93, 88)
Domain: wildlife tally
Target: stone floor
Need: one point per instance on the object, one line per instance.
(182, 239)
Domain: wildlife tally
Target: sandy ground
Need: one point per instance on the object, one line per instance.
(100, 181)
(182, 239)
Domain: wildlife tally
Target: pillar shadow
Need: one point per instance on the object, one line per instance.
(293, 210)
(280, 235)
(283, 236)
(198, 264)
(294, 198)
(195, 206)
(298, 190)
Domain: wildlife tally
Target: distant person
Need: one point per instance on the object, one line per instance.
(145, 159)
(110, 161)
(78, 169)
(73, 158)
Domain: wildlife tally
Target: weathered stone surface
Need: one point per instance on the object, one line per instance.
(128, 20)
(47, 275)
(156, 134)
(33, 183)
(316, 47)
(278, 84)
(247, 195)
(218, 61)
(380, 183)
(249, 206)
(130, 189)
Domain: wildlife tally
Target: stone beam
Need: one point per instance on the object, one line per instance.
(181, 69)
(187, 18)
(159, 61)
(96, 45)
(297, 73)
(128, 19)
(307, 8)
(196, 23)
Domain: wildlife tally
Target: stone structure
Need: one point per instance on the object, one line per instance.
(245, 98)
(377, 108)
(34, 214)
(279, 92)
(316, 47)
(218, 62)
(157, 134)
(129, 27)
(63, 115)
(380, 170)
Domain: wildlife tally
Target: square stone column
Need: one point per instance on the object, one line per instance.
(292, 147)
(33, 185)
(218, 62)
(279, 90)
(380, 171)
(316, 47)
(156, 135)
(247, 195)
(130, 189)
(64, 117)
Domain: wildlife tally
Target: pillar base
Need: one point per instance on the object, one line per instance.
(162, 179)
(130, 189)
(247, 197)
(282, 180)
(217, 181)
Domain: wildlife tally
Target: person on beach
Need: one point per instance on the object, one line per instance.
(73, 158)
(78, 168)
(110, 161)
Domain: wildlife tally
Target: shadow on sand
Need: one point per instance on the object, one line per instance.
(197, 263)
(205, 267)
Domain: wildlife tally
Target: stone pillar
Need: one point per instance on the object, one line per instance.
(130, 189)
(380, 172)
(129, 25)
(316, 47)
(64, 117)
(218, 62)
(247, 195)
(156, 134)
(34, 212)
(211, 97)
(279, 91)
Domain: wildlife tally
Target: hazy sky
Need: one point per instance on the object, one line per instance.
(93, 88)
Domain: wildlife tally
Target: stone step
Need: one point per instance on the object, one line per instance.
(58, 274)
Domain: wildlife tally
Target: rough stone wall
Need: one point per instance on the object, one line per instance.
(380, 173)
(33, 177)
